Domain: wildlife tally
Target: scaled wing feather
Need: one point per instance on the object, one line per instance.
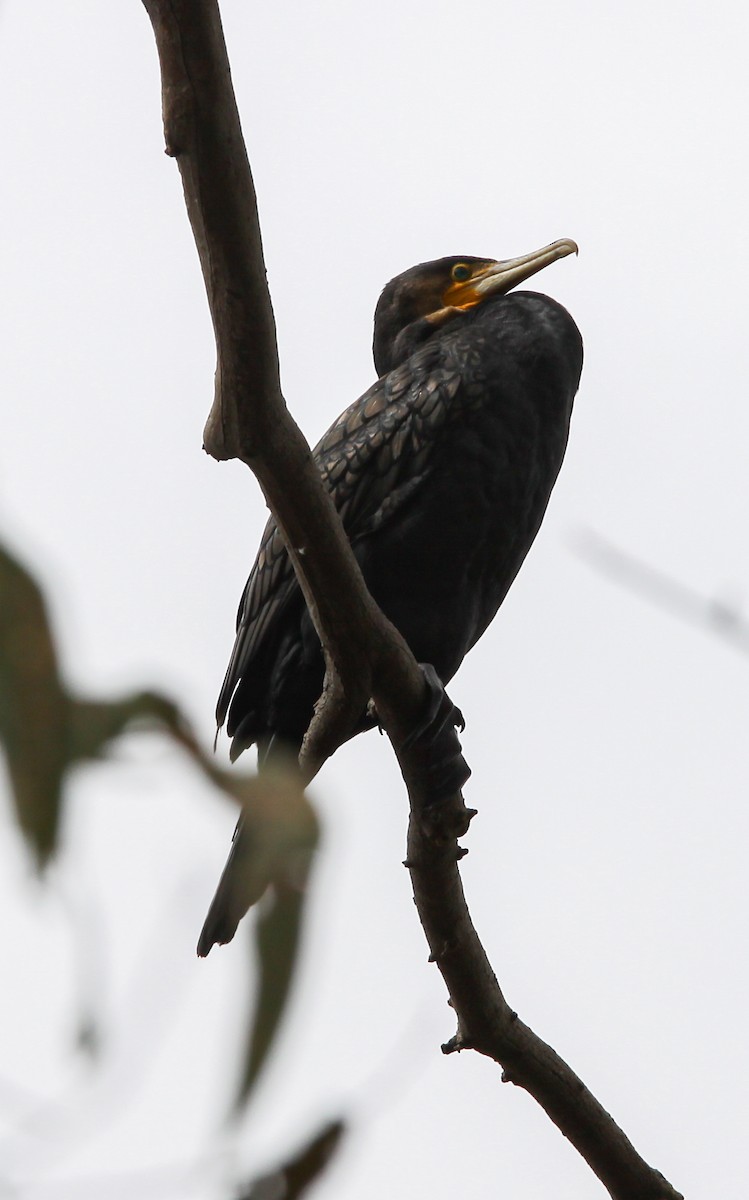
(372, 459)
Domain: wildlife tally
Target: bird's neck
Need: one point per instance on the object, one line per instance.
(391, 351)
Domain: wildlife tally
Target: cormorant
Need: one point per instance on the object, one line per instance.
(441, 472)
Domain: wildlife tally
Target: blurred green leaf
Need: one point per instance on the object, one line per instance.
(292, 1178)
(45, 730)
(276, 935)
(33, 707)
(276, 938)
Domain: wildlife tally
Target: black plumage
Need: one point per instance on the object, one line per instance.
(441, 472)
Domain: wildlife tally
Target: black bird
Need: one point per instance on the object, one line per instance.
(441, 472)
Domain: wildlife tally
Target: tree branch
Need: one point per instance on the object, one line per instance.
(365, 656)
(486, 1023)
(249, 419)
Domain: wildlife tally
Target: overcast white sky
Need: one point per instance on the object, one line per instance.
(607, 872)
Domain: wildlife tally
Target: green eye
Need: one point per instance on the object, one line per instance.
(461, 273)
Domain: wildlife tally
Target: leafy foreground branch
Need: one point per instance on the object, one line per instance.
(365, 657)
(47, 732)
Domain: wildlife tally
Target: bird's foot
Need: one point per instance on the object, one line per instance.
(441, 766)
(440, 712)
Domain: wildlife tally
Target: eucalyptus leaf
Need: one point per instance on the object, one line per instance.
(33, 708)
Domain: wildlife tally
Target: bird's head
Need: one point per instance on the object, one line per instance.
(427, 297)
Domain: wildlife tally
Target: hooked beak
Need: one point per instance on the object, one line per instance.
(496, 278)
(501, 276)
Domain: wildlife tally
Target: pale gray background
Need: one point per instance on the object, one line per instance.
(608, 741)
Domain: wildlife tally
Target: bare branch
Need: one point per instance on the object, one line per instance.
(365, 656)
(486, 1023)
(249, 419)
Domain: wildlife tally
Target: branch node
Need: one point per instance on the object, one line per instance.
(444, 950)
(443, 822)
(456, 1044)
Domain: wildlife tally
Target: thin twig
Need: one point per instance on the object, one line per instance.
(712, 614)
